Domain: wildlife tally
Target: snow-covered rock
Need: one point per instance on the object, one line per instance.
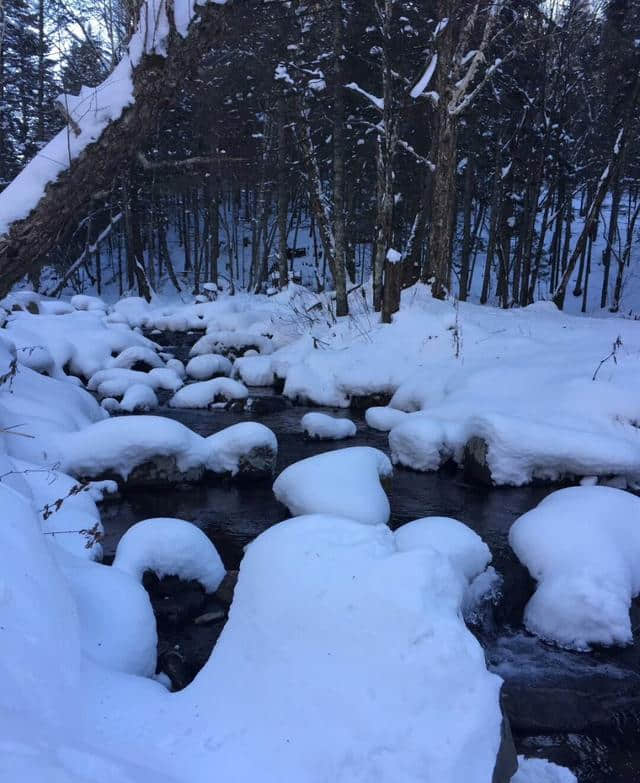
(231, 343)
(203, 394)
(344, 482)
(254, 370)
(138, 398)
(137, 357)
(170, 547)
(468, 553)
(582, 546)
(115, 382)
(541, 771)
(322, 427)
(207, 366)
(247, 449)
(384, 418)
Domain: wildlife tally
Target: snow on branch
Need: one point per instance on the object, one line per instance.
(426, 77)
(377, 102)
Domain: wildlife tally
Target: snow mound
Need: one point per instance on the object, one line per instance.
(344, 482)
(206, 366)
(170, 547)
(86, 302)
(541, 771)
(203, 394)
(117, 446)
(582, 546)
(248, 447)
(383, 418)
(116, 381)
(231, 342)
(117, 624)
(254, 370)
(138, 398)
(137, 354)
(334, 597)
(468, 553)
(322, 427)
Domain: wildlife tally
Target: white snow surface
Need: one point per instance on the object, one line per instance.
(170, 547)
(204, 367)
(541, 771)
(203, 394)
(324, 427)
(345, 482)
(383, 418)
(254, 370)
(582, 546)
(226, 448)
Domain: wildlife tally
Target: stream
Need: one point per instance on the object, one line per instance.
(581, 710)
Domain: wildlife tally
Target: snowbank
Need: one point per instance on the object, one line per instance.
(170, 547)
(203, 394)
(323, 427)
(582, 545)
(344, 482)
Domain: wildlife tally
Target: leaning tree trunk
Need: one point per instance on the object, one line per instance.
(156, 85)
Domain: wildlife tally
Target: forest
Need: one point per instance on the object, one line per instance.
(321, 141)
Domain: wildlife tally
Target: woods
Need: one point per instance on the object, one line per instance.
(460, 143)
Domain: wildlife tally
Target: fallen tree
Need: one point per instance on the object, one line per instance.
(162, 64)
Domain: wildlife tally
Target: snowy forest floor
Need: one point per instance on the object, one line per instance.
(518, 398)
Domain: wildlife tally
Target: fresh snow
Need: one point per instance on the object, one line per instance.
(323, 427)
(344, 482)
(383, 418)
(203, 394)
(541, 771)
(203, 368)
(254, 370)
(582, 546)
(170, 547)
(227, 449)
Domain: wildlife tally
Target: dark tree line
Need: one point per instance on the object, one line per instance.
(487, 147)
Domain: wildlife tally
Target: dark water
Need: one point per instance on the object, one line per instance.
(579, 709)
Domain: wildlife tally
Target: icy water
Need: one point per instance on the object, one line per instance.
(581, 710)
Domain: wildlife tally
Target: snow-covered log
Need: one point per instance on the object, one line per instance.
(44, 203)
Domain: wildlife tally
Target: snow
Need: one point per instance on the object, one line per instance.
(119, 445)
(117, 624)
(541, 771)
(426, 77)
(204, 367)
(170, 547)
(467, 552)
(323, 427)
(582, 546)
(344, 482)
(254, 370)
(115, 382)
(203, 394)
(137, 353)
(228, 447)
(225, 341)
(393, 256)
(383, 418)
(138, 398)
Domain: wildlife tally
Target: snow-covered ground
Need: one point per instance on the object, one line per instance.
(332, 591)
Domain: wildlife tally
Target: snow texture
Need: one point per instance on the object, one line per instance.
(344, 482)
(322, 427)
(203, 394)
(205, 367)
(170, 547)
(541, 771)
(582, 546)
(227, 449)
(383, 418)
